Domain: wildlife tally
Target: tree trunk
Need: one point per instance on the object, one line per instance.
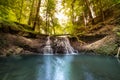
(21, 7)
(47, 22)
(31, 11)
(73, 17)
(101, 11)
(53, 24)
(47, 19)
(37, 15)
(90, 10)
(84, 19)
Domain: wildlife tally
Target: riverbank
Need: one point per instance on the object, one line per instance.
(11, 44)
(104, 41)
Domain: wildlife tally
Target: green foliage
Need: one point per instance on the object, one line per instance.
(117, 31)
(15, 26)
(47, 22)
(10, 9)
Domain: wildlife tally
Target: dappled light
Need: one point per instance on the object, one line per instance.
(55, 16)
(60, 14)
(59, 39)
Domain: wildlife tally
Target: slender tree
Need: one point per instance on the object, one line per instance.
(101, 10)
(47, 25)
(90, 9)
(21, 9)
(31, 12)
(37, 14)
(72, 7)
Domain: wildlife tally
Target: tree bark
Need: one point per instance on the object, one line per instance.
(37, 14)
(73, 17)
(84, 19)
(21, 7)
(47, 19)
(101, 11)
(53, 24)
(90, 10)
(31, 11)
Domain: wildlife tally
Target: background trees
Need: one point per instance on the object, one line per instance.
(55, 16)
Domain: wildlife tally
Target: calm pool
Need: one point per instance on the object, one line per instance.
(59, 67)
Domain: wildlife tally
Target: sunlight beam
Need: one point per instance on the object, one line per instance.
(62, 18)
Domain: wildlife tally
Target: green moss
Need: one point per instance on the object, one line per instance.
(118, 33)
(108, 49)
(3, 43)
(15, 26)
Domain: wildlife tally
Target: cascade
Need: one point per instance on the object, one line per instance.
(59, 71)
(47, 49)
(63, 44)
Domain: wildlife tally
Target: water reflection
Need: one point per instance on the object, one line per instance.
(59, 70)
(87, 74)
(64, 67)
(57, 67)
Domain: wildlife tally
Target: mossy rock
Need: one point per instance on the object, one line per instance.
(107, 49)
(3, 43)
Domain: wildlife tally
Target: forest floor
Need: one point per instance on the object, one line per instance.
(102, 37)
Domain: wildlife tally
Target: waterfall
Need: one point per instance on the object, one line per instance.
(63, 45)
(69, 49)
(61, 68)
(47, 49)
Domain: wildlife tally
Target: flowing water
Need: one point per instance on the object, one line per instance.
(47, 49)
(62, 44)
(59, 67)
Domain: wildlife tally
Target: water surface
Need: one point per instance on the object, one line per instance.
(62, 67)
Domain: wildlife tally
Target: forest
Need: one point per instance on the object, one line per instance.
(59, 39)
(87, 23)
(56, 16)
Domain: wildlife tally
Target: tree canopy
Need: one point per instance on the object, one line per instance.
(55, 16)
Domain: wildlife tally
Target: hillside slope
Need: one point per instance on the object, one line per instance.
(102, 37)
